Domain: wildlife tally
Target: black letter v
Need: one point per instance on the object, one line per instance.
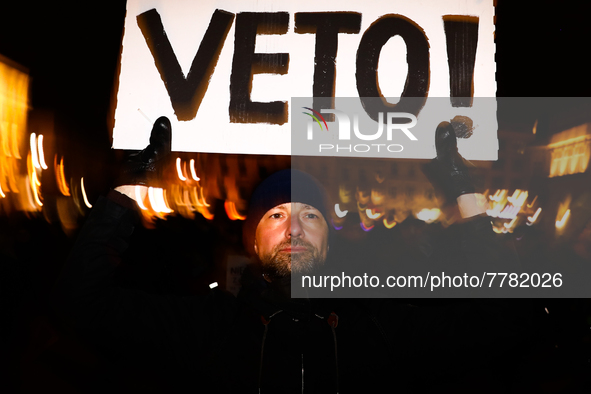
(185, 93)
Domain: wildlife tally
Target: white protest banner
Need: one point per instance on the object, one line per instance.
(225, 72)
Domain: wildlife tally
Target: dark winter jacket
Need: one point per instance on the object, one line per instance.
(263, 341)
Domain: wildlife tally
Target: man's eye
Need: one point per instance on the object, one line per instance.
(311, 216)
(275, 216)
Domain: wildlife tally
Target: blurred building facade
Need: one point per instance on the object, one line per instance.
(560, 177)
(14, 108)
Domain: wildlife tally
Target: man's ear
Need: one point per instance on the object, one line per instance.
(256, 249)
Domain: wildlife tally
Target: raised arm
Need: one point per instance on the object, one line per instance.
(87, 291)
(452, 175)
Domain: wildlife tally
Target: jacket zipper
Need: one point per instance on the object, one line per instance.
(302, 373)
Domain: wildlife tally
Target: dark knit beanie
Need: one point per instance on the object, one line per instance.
(280, 188)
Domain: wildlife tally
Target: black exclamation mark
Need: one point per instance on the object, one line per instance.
(461, 33)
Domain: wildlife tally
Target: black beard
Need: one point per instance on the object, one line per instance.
(278, 264)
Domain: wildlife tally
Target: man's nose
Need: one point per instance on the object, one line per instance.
(295, 229)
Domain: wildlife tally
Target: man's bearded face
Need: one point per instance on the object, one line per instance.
(292, 237)
(281, 263)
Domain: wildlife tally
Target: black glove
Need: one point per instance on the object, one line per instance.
(147, 166)
(449, 173)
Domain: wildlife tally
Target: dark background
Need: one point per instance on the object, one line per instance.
(71, 50)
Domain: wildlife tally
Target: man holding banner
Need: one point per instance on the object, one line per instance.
(229, 67)
(266, 340)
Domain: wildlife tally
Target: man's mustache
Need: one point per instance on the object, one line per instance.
(294, 242)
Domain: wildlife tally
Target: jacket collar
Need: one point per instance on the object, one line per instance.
(269, 298)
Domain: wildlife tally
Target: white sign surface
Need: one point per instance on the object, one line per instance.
(224, 72)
